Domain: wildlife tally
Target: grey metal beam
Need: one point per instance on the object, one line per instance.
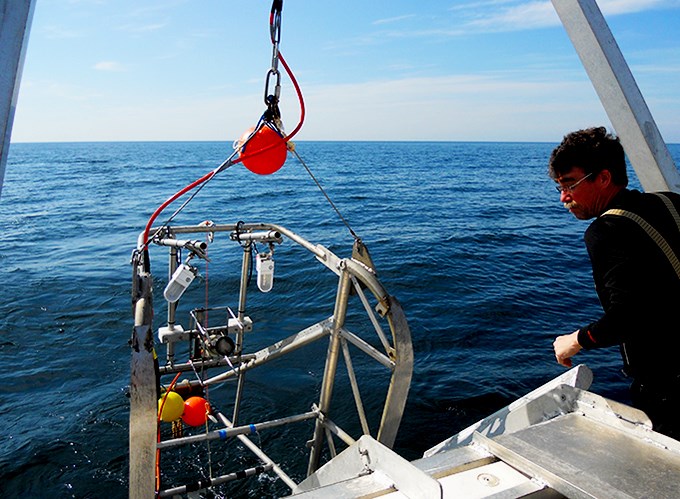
(15, 24)
(619, 94)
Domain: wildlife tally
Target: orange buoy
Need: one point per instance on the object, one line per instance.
(196, 410)
(264, 153)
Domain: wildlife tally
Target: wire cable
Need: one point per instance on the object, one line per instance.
(344, 221)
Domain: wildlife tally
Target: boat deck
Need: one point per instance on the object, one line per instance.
(574, 444)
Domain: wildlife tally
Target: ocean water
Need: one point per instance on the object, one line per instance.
(470, 237)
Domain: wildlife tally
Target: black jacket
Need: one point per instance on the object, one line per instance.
(638, 288)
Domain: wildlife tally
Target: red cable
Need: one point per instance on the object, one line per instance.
(209, 175)
(194, 184)
(300, 99)
(172, 198)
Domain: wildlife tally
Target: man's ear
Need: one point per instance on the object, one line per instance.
(605, 178)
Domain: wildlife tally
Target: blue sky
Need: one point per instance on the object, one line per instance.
(481, 70)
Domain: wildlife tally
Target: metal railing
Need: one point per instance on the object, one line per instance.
(385, 340)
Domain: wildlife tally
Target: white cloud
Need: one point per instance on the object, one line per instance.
(500, 106)
(505, 106)
(629, 6)
(391, 20)
(541, 13)
(519, 17)
(59, 33)
(479, 4)
(109, 66)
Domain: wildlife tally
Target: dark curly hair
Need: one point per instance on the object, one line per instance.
(592, 150)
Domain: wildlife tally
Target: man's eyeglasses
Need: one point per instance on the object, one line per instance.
(570, 188)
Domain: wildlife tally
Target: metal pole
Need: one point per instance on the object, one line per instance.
(260, 454)
(15, 25)
(243, 291)
(143, 397)
(331, 366)
(619, 94)
(210, 482)
(172, 307)
(233, 431)
(242, 298)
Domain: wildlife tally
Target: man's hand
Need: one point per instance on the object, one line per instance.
(566, 346)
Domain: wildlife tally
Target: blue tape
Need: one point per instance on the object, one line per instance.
(253, 431)
(223, 434)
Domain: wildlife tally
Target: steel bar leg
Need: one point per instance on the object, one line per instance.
(331, 367)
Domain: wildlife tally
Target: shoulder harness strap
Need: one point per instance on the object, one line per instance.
(652, 232)
(670, 206)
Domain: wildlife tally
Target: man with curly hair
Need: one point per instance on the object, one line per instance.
(634, 247)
